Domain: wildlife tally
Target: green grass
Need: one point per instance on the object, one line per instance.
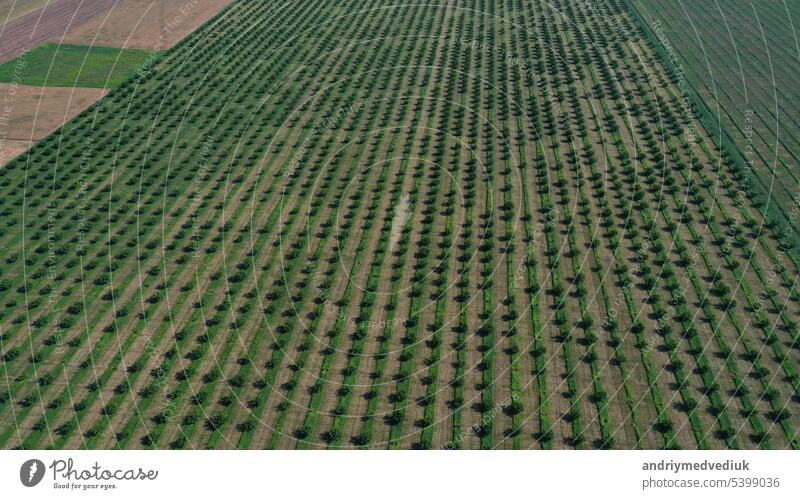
(53, 65)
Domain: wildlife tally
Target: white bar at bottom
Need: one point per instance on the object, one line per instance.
(402, 474)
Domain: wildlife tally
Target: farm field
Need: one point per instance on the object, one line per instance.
(10, 149)
(37, 111)
(51, 20)
(323, 225)
(144, 24)
(741, 60)
(52, 65)
(31, 113)
(82, 56)
(13, 9)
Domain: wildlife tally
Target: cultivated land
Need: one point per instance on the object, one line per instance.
(741, 59)
(53, 20)
(10, 149)
(13, 9)
(31, 113)
(144, 24)
(320, 225)
(53, 65)
(34, 112)
(84, 52)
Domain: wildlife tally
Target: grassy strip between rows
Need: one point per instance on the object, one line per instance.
(54, 65)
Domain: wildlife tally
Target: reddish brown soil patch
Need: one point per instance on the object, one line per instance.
(145, 24)
(34, 112)
(10, 149)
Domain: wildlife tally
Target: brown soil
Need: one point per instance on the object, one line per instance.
(34, 112)
(10, 149)
(144, 24)
(14, 9)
